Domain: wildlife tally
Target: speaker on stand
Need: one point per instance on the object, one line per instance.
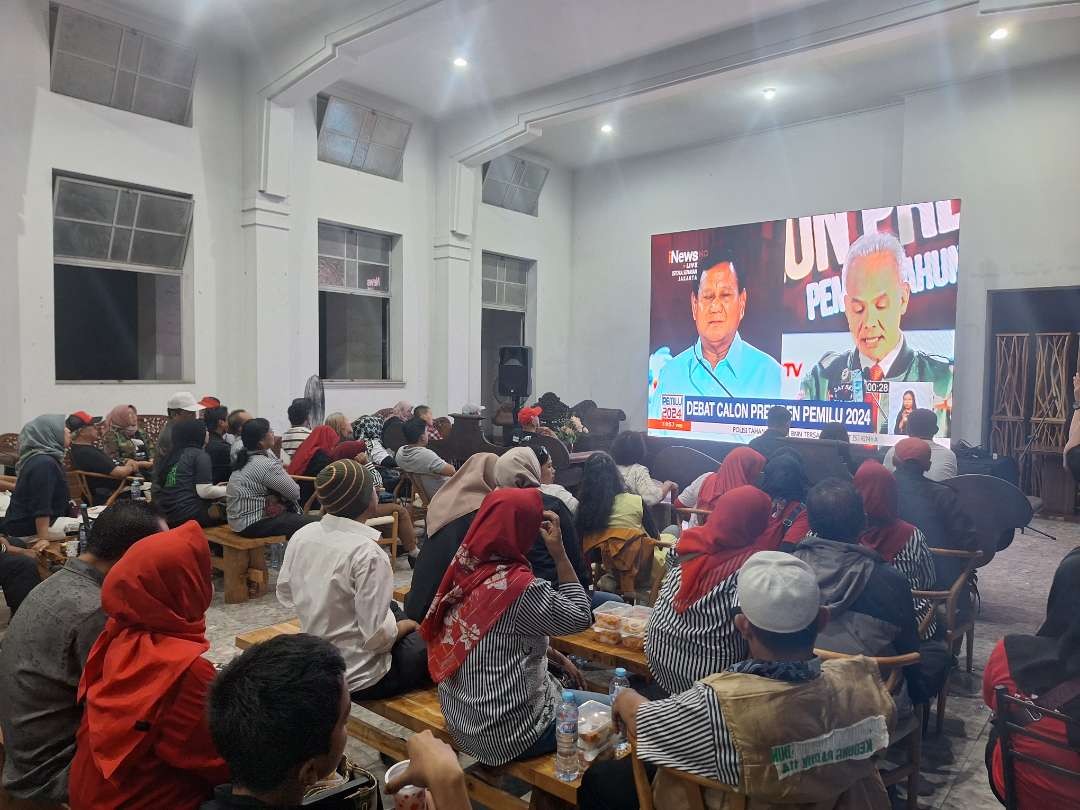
(514, 379)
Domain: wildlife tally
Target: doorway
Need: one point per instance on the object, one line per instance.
(505, 306)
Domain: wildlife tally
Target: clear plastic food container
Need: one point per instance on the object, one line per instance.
(594, 726)
(610, 615)
(606, 635)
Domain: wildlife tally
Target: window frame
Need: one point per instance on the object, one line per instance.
(392, 360)
(184, 272)
(140, 191)
(526, 266)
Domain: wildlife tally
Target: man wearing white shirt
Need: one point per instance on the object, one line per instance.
(340, 582)
(923, 424)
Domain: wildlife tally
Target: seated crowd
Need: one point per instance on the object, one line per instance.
(107, 700)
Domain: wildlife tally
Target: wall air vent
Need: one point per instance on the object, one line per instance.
(514, 183)
(361, 138)
(104, 62)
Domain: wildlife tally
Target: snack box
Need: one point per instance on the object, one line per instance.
(634, 620)
(594, 725)
(610, 615)
(607, 635)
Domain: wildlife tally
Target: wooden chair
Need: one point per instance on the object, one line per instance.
(892, 673)
(151, 425)
(309, 504)
(1011, 718)
(695, 787)
(408, 491)
(9, 449)
(86, 489)
(957, 627)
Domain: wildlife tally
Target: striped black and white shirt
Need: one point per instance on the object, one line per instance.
(682, 648)
(916, 562)
(687, 732)
(245, 496)
(501, 699)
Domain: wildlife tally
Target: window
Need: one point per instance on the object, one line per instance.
(354, 302)
(119, 253)
(360, 138)
(513, 183)
(505, 282)
(101, 61)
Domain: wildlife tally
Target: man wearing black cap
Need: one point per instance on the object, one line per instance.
(86, 457)
(340, 582)
(923, 424)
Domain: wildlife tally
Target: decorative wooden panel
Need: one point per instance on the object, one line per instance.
(1010, 376)
(1053, 351)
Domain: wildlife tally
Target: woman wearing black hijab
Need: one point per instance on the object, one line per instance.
(1046, 667)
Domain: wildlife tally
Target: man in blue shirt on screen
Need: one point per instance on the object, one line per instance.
(720, 363)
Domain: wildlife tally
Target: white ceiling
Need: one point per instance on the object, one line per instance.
(825, 82)
(514, 46)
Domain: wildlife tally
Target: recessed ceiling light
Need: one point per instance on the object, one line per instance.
(461, 62)
(769, 93)
(607, 129)
(999, 33)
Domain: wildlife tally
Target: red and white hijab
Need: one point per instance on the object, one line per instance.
(488, 573)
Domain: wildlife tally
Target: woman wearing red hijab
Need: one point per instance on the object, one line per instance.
(144, 740)
(691, 632)
(487, 631)
(743, 465)
(311, 456)
(899, 543)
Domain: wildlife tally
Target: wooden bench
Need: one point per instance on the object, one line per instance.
(420, 711)
(243, 561)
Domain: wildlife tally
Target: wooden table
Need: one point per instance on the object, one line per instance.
(586, 645)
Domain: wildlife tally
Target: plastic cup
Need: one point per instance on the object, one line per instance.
(410, 797)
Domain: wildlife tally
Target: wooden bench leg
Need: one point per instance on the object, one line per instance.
(235, 564)
(256, 574)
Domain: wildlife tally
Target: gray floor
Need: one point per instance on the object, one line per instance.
(1014, 588)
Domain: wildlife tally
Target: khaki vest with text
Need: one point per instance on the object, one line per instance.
(772, 725)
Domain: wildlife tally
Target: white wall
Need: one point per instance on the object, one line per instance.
(1005, 144)
(43, 131)
(546, 240)
(325, 191)
(1008, 146)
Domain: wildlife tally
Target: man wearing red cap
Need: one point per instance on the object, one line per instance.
(86, 457)
(932, 507)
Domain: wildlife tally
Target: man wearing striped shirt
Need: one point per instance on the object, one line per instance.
(779, 726)
(300, 428)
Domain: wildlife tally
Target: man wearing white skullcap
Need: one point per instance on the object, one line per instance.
(781, 726)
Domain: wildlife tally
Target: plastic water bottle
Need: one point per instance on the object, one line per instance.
(567, 765)
(84, 528)
(618, 683)
(136, 488)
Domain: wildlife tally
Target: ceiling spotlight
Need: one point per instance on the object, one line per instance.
(607, 129)
(769, 93)
(461, 62)
(999, 33)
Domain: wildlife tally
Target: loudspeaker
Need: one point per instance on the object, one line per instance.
(515, 371)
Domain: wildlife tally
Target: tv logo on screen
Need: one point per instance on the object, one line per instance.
(672, 406)
(682, 256)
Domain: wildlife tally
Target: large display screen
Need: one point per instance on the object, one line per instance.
(846, 317)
